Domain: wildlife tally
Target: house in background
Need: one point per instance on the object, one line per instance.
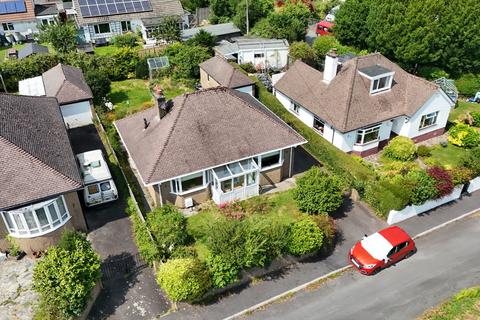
(359, 103)
(217, 72)
(217, 143)
(222, 31)
(39, 177)
(100, 21)
(31, 49)
(67, 84)
(262, 53)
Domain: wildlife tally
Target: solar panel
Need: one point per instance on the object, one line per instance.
(94, 8)
(7, 7)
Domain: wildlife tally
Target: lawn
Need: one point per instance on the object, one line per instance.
(464, 305)
(130, 96)
(448, 157)
(462, 110)
(3, 50)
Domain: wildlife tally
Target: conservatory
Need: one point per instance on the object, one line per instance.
(235, 181)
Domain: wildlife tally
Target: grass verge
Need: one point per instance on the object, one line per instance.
(463, 305)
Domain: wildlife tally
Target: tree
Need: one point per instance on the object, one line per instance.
(350, 22)
(62, 35)
(289, 22)
(185, 59)
(99, 83)
(222, 9)
(169, 30)
(317, 192)
(301, 50)
(204, 39)
(192, 5)
(257, 9)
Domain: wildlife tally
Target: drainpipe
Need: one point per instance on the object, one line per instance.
(160, 193)
(291, 163)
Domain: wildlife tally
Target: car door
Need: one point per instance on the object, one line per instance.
(397, 253)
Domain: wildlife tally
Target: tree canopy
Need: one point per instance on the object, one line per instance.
(257, 10)
(168, 30)
(415, 33)
(62, 35)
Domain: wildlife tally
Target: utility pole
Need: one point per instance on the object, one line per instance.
(248, 27)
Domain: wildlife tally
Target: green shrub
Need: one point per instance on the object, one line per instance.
(264, 241)
(318, 192)
(387, 194)
(227, 238)
(327, 225)
(472, 161)
(423, 186)
(468, 84)
(147, 247)
(461, 175)
(222, 270)
(185, 59)
(168, 228)
(14, 249)
(126, 40)
(304, 237)
(400, 148)
(432, 73)
(65, 276)
(424, 151)
(476, 118)
(184, 279)
(183, 252)
(99, 83)
(141, 69)
(122, 64)
(248, 67)
(301, 50)
(256, 205)
(463, 135)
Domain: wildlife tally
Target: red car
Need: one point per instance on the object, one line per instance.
(381, 249)
(324, 28)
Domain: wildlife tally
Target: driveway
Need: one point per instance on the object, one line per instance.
(446, 262)
(129, 287)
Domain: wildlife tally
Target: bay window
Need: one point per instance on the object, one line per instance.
(37, 219)
(428, 120)
(368, 135)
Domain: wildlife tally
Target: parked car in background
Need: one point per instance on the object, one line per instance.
(381, 249)
(99, 185)
(324, 28)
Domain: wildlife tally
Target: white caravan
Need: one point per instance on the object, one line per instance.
(99, 185)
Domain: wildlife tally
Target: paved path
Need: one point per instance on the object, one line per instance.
(446, 261)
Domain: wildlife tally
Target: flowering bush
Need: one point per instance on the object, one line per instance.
(443, 181)
(423, 186)
(461, 175)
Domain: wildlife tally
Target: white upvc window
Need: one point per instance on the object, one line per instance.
(368, 135)
(259, 55)
(102, 28)
(190, 183)
(295, 108)
(428, 120)
(126, 26)
(37, 219)
(318, 125)
(269, 160)
(381, 84)
(8, 26)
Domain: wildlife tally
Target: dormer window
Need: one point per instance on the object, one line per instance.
(380, 78)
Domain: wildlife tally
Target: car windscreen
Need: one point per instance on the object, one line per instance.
(92, 189)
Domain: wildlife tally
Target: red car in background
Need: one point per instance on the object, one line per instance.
(381, 249)
(324, 28)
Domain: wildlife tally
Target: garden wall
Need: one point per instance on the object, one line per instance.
(94, 295)
(413, 210)
(474, 185)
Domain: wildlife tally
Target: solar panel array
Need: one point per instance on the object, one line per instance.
(95, 8)
(157, 63)
(12, 7)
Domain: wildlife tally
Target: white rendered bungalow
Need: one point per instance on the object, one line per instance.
(358, 104)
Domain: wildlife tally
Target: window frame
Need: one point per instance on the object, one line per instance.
(97, 27)
(431, 115)
(364, 132)
(317, 119)
(259, 160)
(388, 83)
(261, 55)
(295, 108)
(14, 218)
(8, 26)
(127, 24)
(176, 186)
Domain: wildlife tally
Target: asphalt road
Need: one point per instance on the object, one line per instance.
(447, 261)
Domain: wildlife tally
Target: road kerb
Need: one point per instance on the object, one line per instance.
(440, 226)
(286, 293)
(303, 286)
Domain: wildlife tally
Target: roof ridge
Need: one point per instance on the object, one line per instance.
(229, 91)
(152, 169)
(350, 91)
(38, 161)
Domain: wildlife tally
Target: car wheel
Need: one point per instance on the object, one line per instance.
(410, 253)
(376, 271)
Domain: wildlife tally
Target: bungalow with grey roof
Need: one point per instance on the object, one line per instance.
(217, 143)
(359, 103)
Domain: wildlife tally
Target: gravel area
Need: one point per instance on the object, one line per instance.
(17, 298)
